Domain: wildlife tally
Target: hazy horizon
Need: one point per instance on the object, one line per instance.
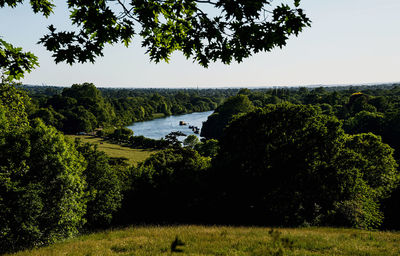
(225, 87)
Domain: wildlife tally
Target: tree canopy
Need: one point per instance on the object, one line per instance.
(169, 179)
(42, 195)
(216, 123)
(295, 165)
(204, 30)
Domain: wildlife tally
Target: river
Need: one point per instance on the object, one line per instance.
(158, 128)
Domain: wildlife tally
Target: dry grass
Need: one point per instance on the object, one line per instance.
(203, 240)
(113, 150)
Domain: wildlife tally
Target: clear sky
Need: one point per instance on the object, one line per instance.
(349, 42)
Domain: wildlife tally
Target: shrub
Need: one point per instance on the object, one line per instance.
(166, 187)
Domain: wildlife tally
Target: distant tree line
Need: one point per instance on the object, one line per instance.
(83, 107)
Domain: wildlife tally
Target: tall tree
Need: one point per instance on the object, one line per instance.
(42, 194)
(216, 123)
(290, 164)
(103, 186)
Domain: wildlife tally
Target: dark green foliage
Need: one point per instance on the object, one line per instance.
(13, 108)
(49, 117)
(42, 197)
(41, 190)
(365, 121)
(172, 139)
(166, 187)
(379, 169)
(165, 110)
(82, 108)
(89, 97)
(121, 134)
(380, 103)
(78, 119)
(370, 176)
(47, 189)
(146, 143)
(14, 62)
(191, 141)
(216, 123)
(295, 165)
(103, 187)
(274, 155)
(359, 102)
(208, 148)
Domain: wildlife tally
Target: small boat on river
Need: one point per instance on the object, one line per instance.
(196, 129)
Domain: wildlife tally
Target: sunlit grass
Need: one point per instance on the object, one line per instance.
(134, 156)
(158, 115)
(220, 240)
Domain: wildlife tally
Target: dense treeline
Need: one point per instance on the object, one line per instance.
(290, 157)
(360, 110)
(83, 107)
(296, 166)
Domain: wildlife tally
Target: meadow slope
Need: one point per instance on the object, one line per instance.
(134, 156)
(223, 240)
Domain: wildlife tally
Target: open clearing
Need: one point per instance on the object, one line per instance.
(113, 150)
(220, 240)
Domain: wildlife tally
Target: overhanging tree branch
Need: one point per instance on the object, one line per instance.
(241, 28)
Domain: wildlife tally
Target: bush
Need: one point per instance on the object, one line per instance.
(208, 148)
(121, 134)
(166, 187)
(143, 142)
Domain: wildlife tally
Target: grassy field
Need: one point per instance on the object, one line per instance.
(202, 240)
(158, 115)
(113, 150)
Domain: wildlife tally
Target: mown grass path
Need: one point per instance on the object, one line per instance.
(114, 150)
(220, 240)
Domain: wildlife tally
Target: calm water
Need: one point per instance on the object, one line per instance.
(158, 128)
